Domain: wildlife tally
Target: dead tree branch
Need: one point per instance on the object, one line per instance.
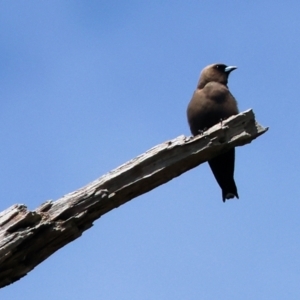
(29, 237)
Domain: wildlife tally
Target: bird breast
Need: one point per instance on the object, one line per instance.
(216, 92)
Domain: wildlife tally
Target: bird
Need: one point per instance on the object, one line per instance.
(211, 103)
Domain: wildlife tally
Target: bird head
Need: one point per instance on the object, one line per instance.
(216, 72)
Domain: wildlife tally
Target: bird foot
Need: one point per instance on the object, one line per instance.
(201, 131)
(221, 121)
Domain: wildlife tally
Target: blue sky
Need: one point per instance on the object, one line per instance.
(87, 85)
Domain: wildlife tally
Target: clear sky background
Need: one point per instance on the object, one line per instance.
(87, 85)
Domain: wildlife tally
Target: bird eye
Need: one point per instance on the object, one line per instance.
(220, 67)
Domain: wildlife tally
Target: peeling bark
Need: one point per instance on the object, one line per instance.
(29, 237)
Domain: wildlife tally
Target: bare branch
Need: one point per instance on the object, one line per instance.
(29, 237)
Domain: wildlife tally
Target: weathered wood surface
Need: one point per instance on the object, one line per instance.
(29, 237)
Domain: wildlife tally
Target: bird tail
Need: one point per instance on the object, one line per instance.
(229, 195)
(222, 167)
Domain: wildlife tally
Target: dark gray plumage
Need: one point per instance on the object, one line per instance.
(211, 103)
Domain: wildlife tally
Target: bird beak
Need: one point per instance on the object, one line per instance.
(230, 68)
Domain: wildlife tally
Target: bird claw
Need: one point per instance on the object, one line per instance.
(201, 131)
(221, 121)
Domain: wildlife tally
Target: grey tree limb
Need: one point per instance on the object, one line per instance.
(29, 237)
